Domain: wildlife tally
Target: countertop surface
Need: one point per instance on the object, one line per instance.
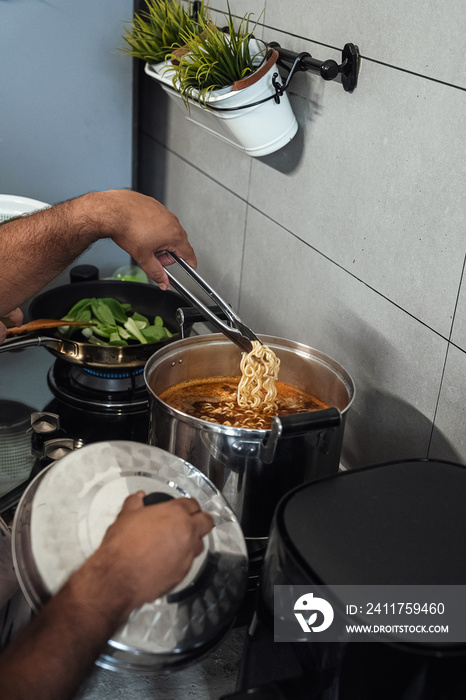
(208, 679)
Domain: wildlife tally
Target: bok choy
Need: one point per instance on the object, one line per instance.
(116, 323)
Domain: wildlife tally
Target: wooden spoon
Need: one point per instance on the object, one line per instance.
(42, 323)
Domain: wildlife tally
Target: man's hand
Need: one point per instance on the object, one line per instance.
(16, 317)
(143, 227)
(149, 549)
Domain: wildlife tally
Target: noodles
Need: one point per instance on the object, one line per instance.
(254, 403)
(249, 401)
(259, 370)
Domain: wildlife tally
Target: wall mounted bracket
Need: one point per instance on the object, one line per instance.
(328, 70)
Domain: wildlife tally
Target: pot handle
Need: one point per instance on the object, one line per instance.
(297, 424)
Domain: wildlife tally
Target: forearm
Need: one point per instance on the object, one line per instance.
(50, 659)
(145, 552)
(34, 249)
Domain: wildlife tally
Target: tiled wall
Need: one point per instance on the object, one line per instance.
(352, 238)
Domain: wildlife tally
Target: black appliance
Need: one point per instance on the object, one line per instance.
(400, 523)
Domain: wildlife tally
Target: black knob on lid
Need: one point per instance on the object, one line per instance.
(84, 273)
(155, 497)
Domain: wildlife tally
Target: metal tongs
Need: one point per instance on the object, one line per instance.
(237, 332)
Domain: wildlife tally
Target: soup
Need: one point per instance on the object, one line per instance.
(214, 399)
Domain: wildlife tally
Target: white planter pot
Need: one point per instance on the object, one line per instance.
(257, 130)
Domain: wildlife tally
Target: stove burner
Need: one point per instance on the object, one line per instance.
(113, 375)
(121, 391)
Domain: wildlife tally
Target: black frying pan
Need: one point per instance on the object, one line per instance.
(147, 299)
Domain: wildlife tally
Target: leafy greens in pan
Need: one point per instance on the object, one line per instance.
(116, 323)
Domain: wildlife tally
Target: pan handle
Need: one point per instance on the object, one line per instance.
(18, 344)
(297, 424)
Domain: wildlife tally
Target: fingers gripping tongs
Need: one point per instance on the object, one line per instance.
(237, 332)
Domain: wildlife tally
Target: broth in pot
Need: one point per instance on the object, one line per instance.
(214, 399)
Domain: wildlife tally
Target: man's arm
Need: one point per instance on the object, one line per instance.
(34, 249)
(147, 551)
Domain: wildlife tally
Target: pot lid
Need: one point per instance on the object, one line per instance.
(64, 515)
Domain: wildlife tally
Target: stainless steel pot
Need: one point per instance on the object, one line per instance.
(63, 516)
(253, 469)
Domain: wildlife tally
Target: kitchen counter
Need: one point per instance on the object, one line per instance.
(208, 679)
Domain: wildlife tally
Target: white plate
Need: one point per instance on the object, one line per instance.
(13, 205)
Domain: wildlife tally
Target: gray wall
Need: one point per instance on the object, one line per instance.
(65, 128)
(66, 102)
(350, 239)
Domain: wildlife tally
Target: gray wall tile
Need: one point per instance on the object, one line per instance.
(458, 335)
(398, 33)
(213, 217)
(291, 291)
(368, 182)
(450, 420)
(240, 8)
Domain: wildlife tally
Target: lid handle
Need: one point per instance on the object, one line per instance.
(151, 499)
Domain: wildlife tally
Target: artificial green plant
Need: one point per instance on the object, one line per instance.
(156, 32)
(214, 58)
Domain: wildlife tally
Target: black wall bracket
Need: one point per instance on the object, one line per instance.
(328, 70)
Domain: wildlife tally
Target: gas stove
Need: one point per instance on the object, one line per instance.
(86, 405)
(96, 405)
(118, 392)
